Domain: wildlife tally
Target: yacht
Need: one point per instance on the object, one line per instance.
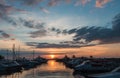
(40, 60)
(113, 74)
(2, 67)
(11, 65)
(25, 63)
(74, 62)
(89, 66)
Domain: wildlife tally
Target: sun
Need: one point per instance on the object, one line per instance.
(52, 56)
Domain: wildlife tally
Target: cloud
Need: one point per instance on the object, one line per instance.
(6, 11)
(82, 2)
(58, 30)
(41, 29)
(31, 43)
(53, 2)
(48, 45)
(28, 2)
(4, 34)
(116, 23)
(31, 23)
(44, 32)
(2, 1)
(101, 3)
(45, 10)
(84, 36)
(38, 33)
(92, 33)
(103, 34)
(38, 27)
(6, 8)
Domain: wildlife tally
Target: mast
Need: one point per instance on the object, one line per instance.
(33, 54)
(13, 49)
(19, 51)
(7, 54)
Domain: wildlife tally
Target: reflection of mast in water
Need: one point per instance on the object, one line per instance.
(33, 73)
(18, 75)
(12, 75)
(6, 76)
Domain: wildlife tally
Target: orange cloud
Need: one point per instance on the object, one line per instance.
(101, 3)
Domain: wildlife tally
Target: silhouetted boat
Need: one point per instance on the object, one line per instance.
(40, 60)
(2, 67)
(113, 74)
(11, 65)
(73, 62)
(89, 66)
(26, 64)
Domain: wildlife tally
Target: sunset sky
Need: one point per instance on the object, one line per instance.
(62, 26)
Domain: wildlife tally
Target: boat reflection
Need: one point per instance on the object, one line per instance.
(52, 69)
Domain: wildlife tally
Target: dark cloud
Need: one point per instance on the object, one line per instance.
(42, 31)
(116, 24)
(92, 33)
(38, 33)
(32, 23)
(72, 31)
(4, 34)
(32, 43)
(5, 11)
(73, 42)
(105, 35)
(48, 45)
(28, 2)
(8, 19)
(58, 31)
(39, 27)
(64, 31)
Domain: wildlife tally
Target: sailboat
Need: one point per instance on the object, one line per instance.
(12, 64)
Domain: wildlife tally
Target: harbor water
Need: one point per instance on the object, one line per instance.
(51, 69)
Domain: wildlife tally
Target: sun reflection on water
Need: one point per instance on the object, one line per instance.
(52, 69)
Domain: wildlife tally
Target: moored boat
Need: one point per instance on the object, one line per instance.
(113, 74)
(89, 66)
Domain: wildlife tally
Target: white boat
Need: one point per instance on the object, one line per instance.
(113, 74)
(88, 66)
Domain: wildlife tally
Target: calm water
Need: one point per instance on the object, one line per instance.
(52, 69)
